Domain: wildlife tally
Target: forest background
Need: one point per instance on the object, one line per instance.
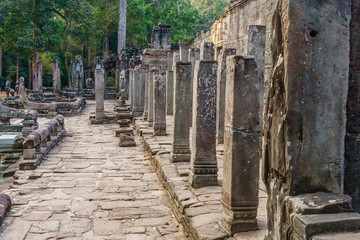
(62, 29)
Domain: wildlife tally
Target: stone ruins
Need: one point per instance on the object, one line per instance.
(249, 131)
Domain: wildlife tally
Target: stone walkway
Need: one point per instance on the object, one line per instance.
(89, 188)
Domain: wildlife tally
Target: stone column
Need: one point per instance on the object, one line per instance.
(151, 96)
(182, 107)
(220, 93)
(99, 92)
(38, 81)
(305, 121)
(136, 93)
(203, 166)
(146, 101)
(194, 55)
(185, 45)
(131, 80)
(142, 70)
(352, 143)
(169, 92)
(242, 147)
(160, 104)
(207, 51)
(56, 77)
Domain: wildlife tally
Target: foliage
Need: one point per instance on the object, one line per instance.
(62, 29)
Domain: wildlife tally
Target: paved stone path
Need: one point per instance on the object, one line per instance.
(89, 188)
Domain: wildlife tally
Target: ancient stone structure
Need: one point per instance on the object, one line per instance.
(161, 37)
(146, 98)
(152, 72)
(352, 145)
(203, 164)
(99, 91)
(38, 80)
(56, 77)
(220, 93)
(242, 146)
(207, 51)
(305, 122)
(77, 70)
(182, 108)
(169, 92)
(142, 72)
(185, 45)
(136, 103)
(17, 86)
(159, 103)
(7, 88)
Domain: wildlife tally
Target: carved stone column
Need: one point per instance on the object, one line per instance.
(182, 107)
(151, 96)
(203, 166)
(242, 146)
(207, 51)
(99, 92)
(160, 104)
(185, 45)
(146, 100)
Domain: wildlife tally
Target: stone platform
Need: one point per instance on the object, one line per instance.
(199, 210)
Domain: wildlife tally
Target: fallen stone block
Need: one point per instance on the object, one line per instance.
(127, 141)
(128, 131)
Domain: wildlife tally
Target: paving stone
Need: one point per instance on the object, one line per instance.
(74, 227)
(105, 227)
(83, 208)
(38, 216)
(44, 227)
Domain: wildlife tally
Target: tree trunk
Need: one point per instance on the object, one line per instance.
(122, 25)
(34, 64)
(88, 74)
(0, 59)
(29, 72)
(107, 45)
(17, 65)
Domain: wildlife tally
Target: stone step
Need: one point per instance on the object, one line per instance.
(338, 236)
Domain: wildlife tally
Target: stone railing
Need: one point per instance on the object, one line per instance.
(37, 145)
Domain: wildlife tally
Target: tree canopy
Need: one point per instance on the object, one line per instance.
(62, 29)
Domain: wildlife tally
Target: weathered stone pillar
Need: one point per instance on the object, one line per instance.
(99, 92)
(151, 96)
(242, 147)
(185, 45)
(131, 80)
(203, 166)
(137, 93)
(160, 104)
(194, 55)
(146, 101)
(38, 81)
(56, 77)
(220, 93)
(305, 121)
(352, 147)
(142, 71)
(207, 51)
(182, 107)
(169, 92)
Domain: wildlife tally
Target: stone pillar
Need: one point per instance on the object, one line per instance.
(185, 45)
(142, 70)
(194, 55)
(203, 166)
(182, 107)
(56, 77)
(169, 92)
(305, 121)
(38, 81)
(352, 143)
(220, 93)
(207, 51)
(242, 147)
(131, 80)
(159, 104)
(137, 93)
(99, 92)
(151, 96)
(146, 101)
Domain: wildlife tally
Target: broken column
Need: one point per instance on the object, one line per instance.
(38, 81)
(305, 121)
(182, 107)
(99, 91)
(56, 77)
(203, 166)
(220, 96)
(159, 104)
(146, 97)
(185, 45)
(77, 70)
(207, 51)
(242, 146)
(151, 97)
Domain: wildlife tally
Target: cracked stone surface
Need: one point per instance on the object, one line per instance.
(89, 188)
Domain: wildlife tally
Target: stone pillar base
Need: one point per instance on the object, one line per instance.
(180, 155)
(203, 177)
(151, 124)
(160, 129)
(239, 219)
(145, 116)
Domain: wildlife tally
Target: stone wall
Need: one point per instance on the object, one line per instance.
(231, 31)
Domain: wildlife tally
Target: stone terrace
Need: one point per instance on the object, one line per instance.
(89, 188)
